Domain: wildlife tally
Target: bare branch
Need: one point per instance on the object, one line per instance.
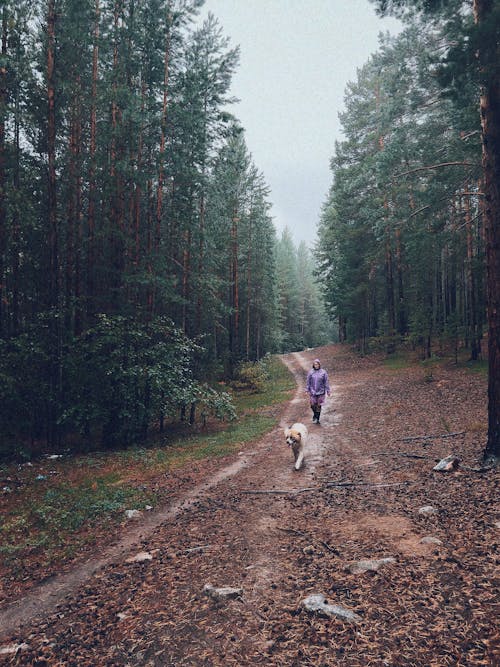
(437, 166)
(431, 437)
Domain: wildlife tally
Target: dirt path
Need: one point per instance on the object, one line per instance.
(45, 597)
(280, 535)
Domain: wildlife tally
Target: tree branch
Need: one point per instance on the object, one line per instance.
(437, 166)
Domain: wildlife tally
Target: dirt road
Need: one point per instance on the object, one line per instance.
(280, 535)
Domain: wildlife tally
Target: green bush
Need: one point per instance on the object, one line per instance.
(110, 384)
(251, 376)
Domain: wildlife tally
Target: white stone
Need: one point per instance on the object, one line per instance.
(447, 464)
(224, 592)
(430, 540)
(369, 565)
(317, 604)
(427, 509)
(140, 557)
(132, 514)
(13, 648)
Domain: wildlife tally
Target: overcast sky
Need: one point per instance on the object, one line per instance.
(296, 58)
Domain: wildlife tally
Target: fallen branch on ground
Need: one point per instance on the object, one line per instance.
(409, 456)
(280, 491)
(431, 437)
(313, 539)
(374, 484)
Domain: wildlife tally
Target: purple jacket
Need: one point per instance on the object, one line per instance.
(317, 382)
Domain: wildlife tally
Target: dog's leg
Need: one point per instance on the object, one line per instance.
(299, 460)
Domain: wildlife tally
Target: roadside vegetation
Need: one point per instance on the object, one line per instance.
(58, 506)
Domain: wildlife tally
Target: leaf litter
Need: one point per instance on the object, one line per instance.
(436, 604)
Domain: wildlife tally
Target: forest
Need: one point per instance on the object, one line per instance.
(408, 237)
(139, 264)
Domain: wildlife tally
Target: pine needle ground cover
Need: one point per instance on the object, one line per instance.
(367, 493)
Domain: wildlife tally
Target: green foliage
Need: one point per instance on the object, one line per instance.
(132, 374)
(400, 243)
(48, 520)
(251, 377)
(119, 377)
(158, 223)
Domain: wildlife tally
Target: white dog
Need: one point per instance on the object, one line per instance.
(296, 438)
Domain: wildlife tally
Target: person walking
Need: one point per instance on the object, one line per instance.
(317, 386)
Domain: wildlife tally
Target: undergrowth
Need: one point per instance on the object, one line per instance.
(53, 508)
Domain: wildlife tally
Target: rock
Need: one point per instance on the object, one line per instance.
(318, 605)
(361, 566)
(430, 540)
(140, 557)
(13, 648)
(427, 510)
(132, 514)
(447, 464)
(226, 592)
(309, 550)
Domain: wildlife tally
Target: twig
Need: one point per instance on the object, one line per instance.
(436, 166)
(409, 456)
(195, 549)
(280, 491)
(431, 437)
(313, 539)
(484, 469)
(374, 484)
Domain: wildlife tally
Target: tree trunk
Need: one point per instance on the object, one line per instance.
(16, 224)
(51, 157)
(91, 249)
(235, 305)
(402, 322)
(3, 207)
(490, 124)
(54, 279)
(471, 284)
(161, 157)
(389, 276)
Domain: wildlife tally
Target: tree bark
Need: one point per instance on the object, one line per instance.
(51, 157)
(490, 125)
(3, 207)
(91, 249)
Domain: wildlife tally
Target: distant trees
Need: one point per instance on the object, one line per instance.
(304, 321)
(137, 251)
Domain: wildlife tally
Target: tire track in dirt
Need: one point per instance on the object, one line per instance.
(45, 597)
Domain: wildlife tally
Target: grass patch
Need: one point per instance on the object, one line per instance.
(52, 518)
(480, 367)
(279, 387)
(398, 361)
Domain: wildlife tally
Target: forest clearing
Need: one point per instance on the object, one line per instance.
(219, 573)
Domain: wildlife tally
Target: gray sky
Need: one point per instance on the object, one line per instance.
(296, 58)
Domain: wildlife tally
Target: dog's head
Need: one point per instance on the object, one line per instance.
(292, 437)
